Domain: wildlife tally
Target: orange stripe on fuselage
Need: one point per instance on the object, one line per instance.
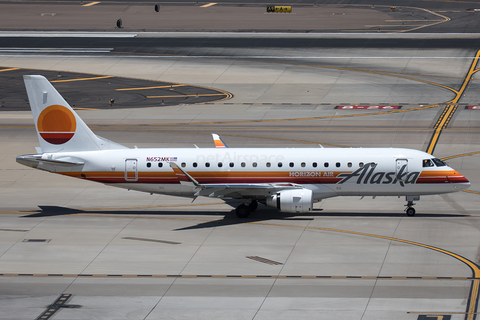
(205, 177)
(327, 177)
(438, 173)
(444, 176)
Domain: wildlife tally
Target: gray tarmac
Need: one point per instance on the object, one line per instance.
(127, 255)
(307, 16)
(217, 17)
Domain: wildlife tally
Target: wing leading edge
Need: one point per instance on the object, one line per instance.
(230, 190)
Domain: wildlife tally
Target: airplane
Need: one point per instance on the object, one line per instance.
(289, 179)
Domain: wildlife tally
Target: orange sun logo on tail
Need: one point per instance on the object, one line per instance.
(56, 124)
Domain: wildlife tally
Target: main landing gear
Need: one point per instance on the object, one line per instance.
(243, 210)
(410, 211)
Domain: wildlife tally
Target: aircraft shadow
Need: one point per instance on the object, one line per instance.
(258, 216)
(230, 218)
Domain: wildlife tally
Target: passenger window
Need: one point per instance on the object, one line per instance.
(291, 164)
(303, 164)
(268, 164)
(231, 164)
(194, 164)
(361, 164)
(184, 164)
(325, 164)
(160, 164)
(337, 164)
(254, 164)
(314, 164)
(149, 164)
(207, 164)
(280, 164)
(220, 164)
(243, 164)
(372, 164)
(349, 164)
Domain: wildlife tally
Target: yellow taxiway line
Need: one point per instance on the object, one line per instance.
(449, 111)
(208, 5)
(83, 79)
(188, 95)
(148, 88)
(91, 4)
(9, 69)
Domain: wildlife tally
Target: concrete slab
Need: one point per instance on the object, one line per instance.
(87, 224)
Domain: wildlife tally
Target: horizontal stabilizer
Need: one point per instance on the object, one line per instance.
(33, 160)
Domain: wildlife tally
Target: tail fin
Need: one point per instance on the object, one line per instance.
(59, 128)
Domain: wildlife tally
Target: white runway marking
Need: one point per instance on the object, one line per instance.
(54, 50)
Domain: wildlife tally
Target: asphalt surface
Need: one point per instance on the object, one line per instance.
(96, 93)
(224, 45)
(347, 16)
(87, 91)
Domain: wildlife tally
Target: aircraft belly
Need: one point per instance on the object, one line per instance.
(322, 191)
(398, 190)
(167, 189)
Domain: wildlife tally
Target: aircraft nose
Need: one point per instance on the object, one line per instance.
(466, 185)
(460, 181)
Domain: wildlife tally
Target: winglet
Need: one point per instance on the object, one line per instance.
(218, 142)
(184, 177)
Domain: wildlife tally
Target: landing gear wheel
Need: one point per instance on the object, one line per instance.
(410, 211)
(253, 205)
(242, 211)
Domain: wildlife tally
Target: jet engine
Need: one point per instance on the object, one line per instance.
(292, 201)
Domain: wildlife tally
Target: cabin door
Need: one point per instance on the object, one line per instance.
(400, 164)
(400, 169)
(131, 173)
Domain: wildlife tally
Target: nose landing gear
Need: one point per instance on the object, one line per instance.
(410, 211)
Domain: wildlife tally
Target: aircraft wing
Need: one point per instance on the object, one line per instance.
(230, 190)
(237, 191)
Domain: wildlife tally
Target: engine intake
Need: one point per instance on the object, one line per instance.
(292, 201)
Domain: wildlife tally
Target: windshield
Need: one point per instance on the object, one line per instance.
(438, 162)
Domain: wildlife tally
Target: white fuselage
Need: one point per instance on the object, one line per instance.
(328, 172)
(289, 179)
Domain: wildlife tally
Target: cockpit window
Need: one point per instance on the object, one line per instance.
(428, 163)
(439, 162)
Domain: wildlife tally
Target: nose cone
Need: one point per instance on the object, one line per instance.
(465, 185)
(460, 181)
